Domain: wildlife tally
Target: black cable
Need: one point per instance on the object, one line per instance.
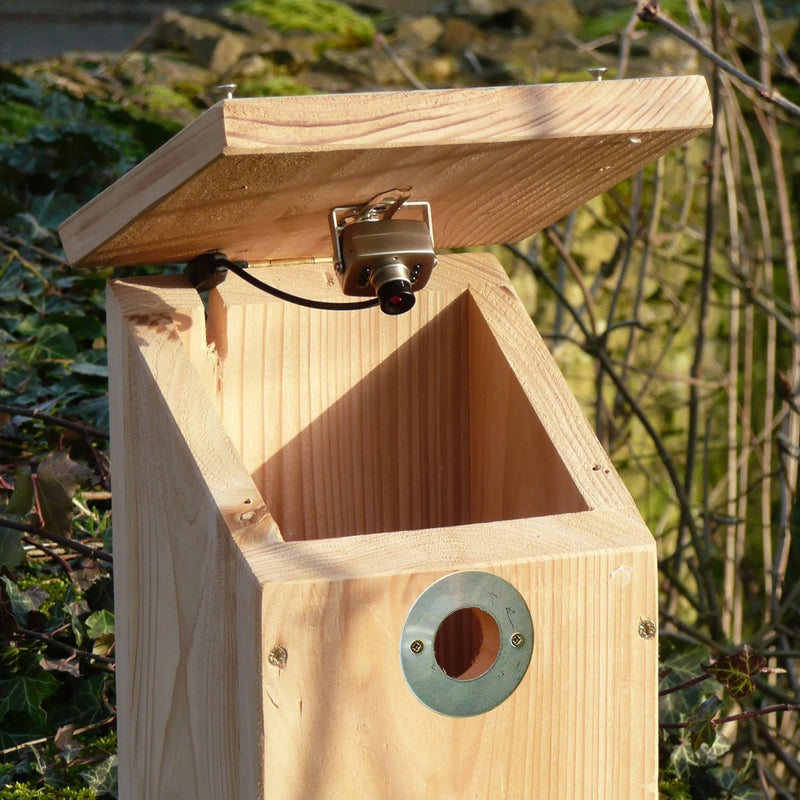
(292, 298)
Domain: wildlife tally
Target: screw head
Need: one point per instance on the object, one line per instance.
(517, 640)
(597, 72)
(417, 647)
(647, 628)
(227, 89)
(278, 656)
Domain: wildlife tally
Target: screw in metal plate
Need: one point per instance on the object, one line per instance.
(228, 88)
(597, 72)
(417, 647)
(647, 628)
(517, 640)
(278, 656)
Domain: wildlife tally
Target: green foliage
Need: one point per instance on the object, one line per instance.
(21, 791)
(61, 152)
(691, 709)
(314, 16)
(735, 672)
(56, 608)
(276, 86)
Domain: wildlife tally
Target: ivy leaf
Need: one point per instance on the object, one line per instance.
(8, 622)
(102, 778)
(81, 700)
(24, 694)
(100, 623)
(20, 603)
(66, 744)
(746, 793)
(677, 706)
(734, 671)
(57, 479)
(69, 665)
(21, 500)
(52, 343)
(11, 552)
(684, 759)
(701, 723)
(82, 366)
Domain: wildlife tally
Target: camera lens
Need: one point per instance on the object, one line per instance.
(396, 296)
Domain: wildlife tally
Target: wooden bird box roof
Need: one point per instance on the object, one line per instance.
(256, 178)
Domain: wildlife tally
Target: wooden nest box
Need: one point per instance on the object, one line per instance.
(362, 554)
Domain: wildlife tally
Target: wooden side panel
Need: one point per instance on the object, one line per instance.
(516, 471)
(187, 604)
(340, 722)
(506, 343)
(349, 422)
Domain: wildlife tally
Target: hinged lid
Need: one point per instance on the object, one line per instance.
(257, 178)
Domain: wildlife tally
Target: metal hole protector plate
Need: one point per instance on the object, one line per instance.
(428, 681)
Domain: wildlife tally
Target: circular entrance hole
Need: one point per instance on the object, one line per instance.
(467, 643)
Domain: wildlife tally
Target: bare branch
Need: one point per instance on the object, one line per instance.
(651, 12)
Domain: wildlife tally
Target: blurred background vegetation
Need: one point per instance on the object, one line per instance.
(672, 304)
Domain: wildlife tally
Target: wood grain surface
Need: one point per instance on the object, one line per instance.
(294, 479)
(256, 178)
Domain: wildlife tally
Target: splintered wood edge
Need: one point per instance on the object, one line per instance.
(167, 319)
(388, 120)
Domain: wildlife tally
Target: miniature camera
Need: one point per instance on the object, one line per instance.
(378, 254)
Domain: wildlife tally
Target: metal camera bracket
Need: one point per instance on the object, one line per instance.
(375, 253)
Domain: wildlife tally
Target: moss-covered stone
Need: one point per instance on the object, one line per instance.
(274, 86)
(315, 16)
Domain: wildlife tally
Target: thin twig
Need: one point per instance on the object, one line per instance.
(684, 685)
(569, 261)
(651, 12)
(395, 59)
(50, 419)
(25, 633)
(20, 242)
(77, 732)
(64, 541)
(48, 552)
(699, 544)
(759, 712)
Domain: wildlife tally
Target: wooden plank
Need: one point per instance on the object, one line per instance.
(340, 722)
(179, 633)
(256, 178)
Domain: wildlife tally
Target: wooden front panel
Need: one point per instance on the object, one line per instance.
(340, 722)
